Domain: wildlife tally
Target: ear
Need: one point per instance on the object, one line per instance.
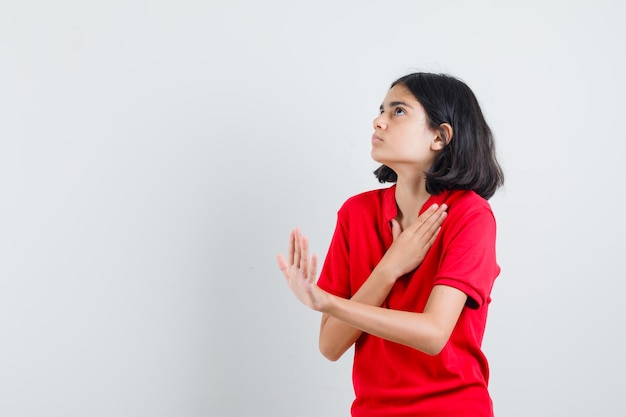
(444, 136)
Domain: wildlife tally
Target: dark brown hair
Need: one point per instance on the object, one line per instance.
(468, 161)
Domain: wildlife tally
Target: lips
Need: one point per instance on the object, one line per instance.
(376, 139)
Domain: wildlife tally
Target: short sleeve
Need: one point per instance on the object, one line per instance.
(335, 274)
(469, 261)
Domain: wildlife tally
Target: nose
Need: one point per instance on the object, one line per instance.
(380, 122)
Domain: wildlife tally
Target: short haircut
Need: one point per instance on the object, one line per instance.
(468, 161)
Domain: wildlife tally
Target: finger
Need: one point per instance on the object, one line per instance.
(313, 272)
(430, 219)
(432, 239)
(304, 260)
(296, 248)
(430, 211)
(291, 247)
(283, 265)
(431, 233)
(438, 219)
(423, 218)
(396, 229)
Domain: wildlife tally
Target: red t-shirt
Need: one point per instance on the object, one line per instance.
(395, 380)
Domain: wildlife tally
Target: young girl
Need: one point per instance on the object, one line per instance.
(407, 288)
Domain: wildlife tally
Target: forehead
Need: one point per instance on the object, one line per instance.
(400, 93)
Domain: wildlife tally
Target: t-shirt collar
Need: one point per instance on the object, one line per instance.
(390, 209)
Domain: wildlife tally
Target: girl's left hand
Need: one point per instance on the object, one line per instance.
(410, 246)
(300, 272)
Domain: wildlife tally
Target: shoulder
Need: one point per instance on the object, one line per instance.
(467, 210)
(463, 202)
(365, 201)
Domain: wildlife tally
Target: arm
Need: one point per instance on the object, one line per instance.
(428, 331)
(405, 254)
(336, 336)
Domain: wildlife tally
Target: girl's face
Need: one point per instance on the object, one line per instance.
(403, 139)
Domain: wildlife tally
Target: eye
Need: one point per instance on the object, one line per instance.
(399, 111)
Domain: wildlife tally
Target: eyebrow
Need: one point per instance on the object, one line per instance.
(396, 103)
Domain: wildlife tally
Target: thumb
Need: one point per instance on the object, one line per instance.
(283, 265)
(395, 229)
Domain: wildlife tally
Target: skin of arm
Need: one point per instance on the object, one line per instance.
(344, 320)
(336, 335)
(427, 332)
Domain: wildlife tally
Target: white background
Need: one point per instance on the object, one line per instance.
(155, 155)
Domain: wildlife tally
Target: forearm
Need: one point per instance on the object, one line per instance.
(336, 336)
(411, 329)
(428, 331)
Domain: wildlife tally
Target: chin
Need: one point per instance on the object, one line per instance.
(376, 157)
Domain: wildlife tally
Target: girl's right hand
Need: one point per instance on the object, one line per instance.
(300, 271)
(410, 246)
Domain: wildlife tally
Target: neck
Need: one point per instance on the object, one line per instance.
(410, 196)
